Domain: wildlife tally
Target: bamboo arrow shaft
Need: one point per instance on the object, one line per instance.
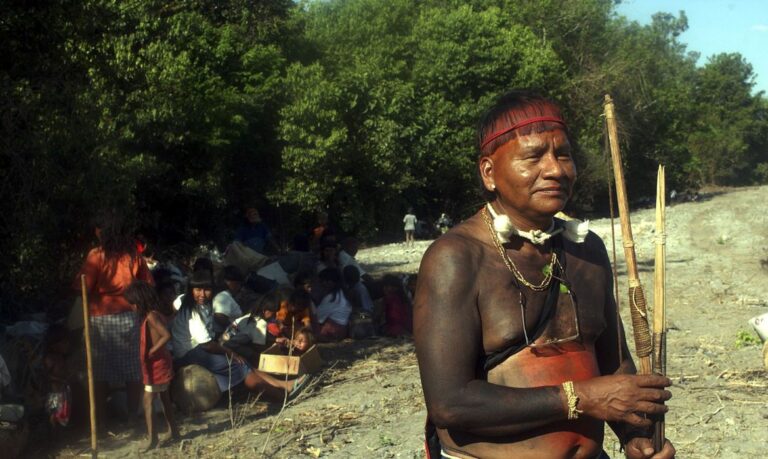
(659, 290)
(659, 298)
(640, 328)
(621, 191)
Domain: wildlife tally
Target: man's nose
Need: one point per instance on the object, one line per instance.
(552, 167)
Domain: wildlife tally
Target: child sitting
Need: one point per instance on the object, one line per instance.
(361, 320)
(303, 281)
(356, 291)
(248, 335)
(156, 360)
(57, 348)
(332, 314)
(396, 307)
(302, 340)
(294, 312)
(268, 311)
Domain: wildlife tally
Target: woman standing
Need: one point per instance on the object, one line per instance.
(409, 226)
(109, 269)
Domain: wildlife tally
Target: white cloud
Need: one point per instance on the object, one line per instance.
(760, 27)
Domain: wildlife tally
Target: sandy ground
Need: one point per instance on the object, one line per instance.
(367, 402)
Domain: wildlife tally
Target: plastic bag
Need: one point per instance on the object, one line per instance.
(58, 405)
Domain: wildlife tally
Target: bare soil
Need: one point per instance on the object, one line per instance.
(367, 402)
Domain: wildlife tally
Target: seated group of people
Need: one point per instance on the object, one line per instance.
(328, 302)
(142, 328)
(298, 298)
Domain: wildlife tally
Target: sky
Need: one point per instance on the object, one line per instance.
(715, 26)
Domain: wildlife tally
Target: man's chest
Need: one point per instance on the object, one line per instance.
(575, 311)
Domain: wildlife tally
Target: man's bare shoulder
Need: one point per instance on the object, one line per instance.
(592, 250)
(461, 245)
(448, 274)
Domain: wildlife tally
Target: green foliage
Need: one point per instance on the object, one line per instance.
(386, 440)
(181, 112)
(144, 106)
(314, 135)
(729, 141)
(746, 339)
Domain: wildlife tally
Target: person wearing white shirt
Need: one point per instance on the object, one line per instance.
(193, 344)
(225, 307)
(332, 314)
(193, 335)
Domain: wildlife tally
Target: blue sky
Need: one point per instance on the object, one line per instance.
(715, 26)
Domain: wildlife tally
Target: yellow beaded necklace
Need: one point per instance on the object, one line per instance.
(548, 270)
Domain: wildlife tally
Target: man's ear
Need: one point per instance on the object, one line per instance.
(486, 173)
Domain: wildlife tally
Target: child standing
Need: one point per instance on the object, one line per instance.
(156, 360)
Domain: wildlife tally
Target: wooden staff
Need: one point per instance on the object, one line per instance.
(89, 363)
(638, 310)
(659, 298)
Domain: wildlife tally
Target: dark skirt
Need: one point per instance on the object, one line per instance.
(115, 344)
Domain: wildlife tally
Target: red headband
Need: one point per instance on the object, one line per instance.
(520, 124)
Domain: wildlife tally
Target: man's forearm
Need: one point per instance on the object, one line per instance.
(487, 409)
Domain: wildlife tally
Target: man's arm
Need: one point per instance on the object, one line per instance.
(448, 337)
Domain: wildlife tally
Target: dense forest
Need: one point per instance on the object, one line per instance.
(179, 113)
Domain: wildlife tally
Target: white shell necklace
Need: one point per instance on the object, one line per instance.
(573, 230)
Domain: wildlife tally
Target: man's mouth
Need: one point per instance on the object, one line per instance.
(552, 190)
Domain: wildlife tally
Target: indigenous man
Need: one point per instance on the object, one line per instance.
(520, 349)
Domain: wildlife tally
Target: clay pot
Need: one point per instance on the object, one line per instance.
(195, 389)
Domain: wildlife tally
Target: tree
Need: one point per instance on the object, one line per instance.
(159, 109)
(727, 144)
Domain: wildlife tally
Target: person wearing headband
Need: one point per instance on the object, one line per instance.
(520, 349)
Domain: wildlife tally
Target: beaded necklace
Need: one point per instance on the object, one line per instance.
(548, 270)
